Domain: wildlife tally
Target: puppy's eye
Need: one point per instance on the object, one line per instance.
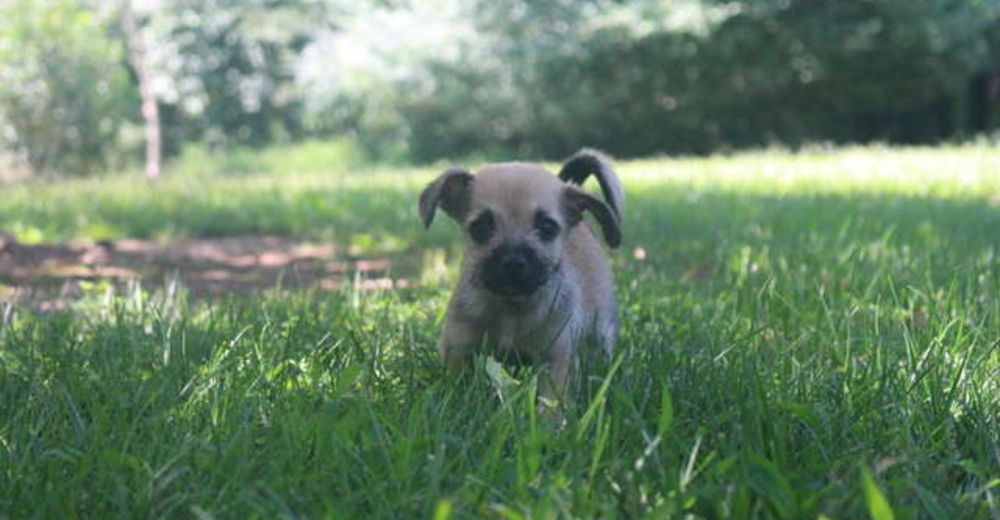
(482, 227)
(547, 228)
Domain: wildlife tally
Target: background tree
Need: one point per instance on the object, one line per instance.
(63, 94)
(135, 42)
(439, 78)
(226, 68)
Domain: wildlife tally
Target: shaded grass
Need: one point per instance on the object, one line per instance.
(792, 346)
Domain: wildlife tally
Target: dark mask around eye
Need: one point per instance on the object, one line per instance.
(481, 229)
(546, 227)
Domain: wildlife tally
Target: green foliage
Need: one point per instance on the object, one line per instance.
(64, 96)
(456, 78)
(795, 318)
(229, 68)
(739, 75)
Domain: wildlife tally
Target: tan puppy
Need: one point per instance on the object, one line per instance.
(534, 281)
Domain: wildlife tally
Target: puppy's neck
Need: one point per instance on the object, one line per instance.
(514, 304)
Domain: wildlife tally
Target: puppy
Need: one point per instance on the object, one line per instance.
(534, 281)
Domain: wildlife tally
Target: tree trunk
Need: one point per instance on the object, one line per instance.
(136, 46)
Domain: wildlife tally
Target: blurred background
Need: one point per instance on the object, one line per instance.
(89, 86)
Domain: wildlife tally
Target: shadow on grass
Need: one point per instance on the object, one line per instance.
(49, 277)
(670, 232)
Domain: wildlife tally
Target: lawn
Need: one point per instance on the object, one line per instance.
(804, 336)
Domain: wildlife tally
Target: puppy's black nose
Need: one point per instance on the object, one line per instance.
(513, 269)
(514, 262)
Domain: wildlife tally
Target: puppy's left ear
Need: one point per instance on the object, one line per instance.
(576, 201)
(451, 191)
(587, 163)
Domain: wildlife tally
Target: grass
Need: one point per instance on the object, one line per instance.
(808, 336)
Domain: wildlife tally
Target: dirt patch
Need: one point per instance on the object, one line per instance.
(50, 276)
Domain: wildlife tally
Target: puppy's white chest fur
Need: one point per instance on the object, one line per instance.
(531, 329)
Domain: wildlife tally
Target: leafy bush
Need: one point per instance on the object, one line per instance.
(639, 78)
(64, 95)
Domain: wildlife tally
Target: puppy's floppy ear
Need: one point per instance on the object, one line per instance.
(576, 201)
(589, 162)
(450, 191)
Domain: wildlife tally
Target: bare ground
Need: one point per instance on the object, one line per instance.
(50, 276)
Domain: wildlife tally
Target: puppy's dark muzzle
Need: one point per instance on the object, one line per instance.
(514, 270)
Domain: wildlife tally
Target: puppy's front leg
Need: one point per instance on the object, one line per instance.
(459, 340)
(555, 378)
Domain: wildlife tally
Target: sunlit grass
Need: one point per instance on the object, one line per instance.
(804, 335)
(348, 198)
(971, 171)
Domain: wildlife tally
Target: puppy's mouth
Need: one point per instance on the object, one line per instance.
(514, 270)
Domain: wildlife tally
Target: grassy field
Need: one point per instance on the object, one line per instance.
(805, 336)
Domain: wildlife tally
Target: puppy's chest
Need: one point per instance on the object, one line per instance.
(529, 333)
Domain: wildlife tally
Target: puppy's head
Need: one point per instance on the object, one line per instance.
(515, 218)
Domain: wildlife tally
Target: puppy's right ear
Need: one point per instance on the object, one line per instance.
(451, 191)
